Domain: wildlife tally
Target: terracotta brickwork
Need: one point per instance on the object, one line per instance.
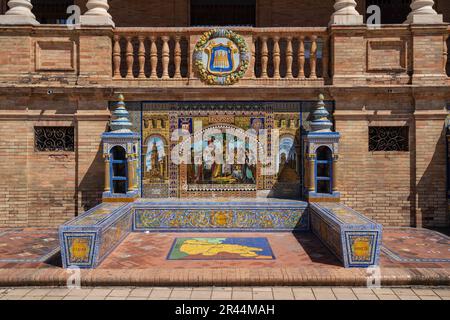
(393, 187)
(46, 188)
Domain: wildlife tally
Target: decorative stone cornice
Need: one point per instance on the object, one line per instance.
(97, 14)
(346, 13)
(423, 13)
(19, 13)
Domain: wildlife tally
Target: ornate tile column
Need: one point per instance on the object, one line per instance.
(97, 14)
(321, 155)
(19, 13)
(345, 13)
(423, 12)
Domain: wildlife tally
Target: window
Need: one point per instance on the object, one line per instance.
(388, 139)
(118, 163)
(324, 163)
(51, 11)
(54, 138)
(392, 11)
(223, 12)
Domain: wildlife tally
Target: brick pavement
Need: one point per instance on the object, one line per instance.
(301, 260)
(227, 293)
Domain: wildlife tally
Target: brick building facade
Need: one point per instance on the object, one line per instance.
(388, 78)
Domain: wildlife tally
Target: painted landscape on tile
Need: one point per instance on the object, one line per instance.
(221, 249)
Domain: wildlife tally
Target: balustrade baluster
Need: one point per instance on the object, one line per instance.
(445, 54)
(264, 57)
(141, 57)
(177, 57)
(165, 57)
(253, 63)
(313, 57)
(130, 57)
(301, 57)
(276, 58)
(116, 58)
(289, 58)
(153, 57)
(325, 58)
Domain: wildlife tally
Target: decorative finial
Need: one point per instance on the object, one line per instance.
(319, 117)
(121, 123)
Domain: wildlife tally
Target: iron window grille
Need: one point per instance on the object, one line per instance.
(54, 138)
(388, 138)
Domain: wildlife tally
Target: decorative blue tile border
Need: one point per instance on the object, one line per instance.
(221, 216)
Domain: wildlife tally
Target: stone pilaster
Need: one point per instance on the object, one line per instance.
(19, 13)
(423, 13)
(345, 13)
(97, 14)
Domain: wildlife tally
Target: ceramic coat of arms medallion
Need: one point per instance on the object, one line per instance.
(221, 57)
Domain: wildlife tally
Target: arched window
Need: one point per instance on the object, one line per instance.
(323, 170)
(118, 163)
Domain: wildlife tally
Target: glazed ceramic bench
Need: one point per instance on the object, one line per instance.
(88, 239)
(352, 237)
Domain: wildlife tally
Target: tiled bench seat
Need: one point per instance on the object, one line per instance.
(352, 237)
(88, 239)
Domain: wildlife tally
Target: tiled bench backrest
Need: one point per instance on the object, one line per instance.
(88, 239)
(352, 237)
(220, 216)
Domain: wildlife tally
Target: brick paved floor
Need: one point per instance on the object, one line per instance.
(226, 293)
(141, 250)
(414, 257)
(403, 248)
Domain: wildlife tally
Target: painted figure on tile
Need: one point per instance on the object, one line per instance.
(257, 124)
(237, 166)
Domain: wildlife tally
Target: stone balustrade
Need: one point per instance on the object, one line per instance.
(279, 57)
(165, 53)
(150, 54)
(294, 53)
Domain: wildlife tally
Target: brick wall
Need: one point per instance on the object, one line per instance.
(392, 187)
(376, 183)
(46, 188)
